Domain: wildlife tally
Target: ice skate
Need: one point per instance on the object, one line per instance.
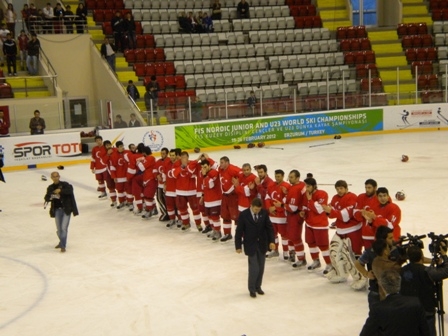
(138, 212)
(155, 212)
(207, 229)
(113, 204)
(299, 264)
(226, 238)
(102, 196)
(292, 256)
(185, 227)
(120, 206)
(216, 236)
(170, 224)
(328, 269)
(131, 207)
(360, 284)
(314, 265)
(285, 256)
(147, 214)
(272, 254)
(178, 223)
(199, 227)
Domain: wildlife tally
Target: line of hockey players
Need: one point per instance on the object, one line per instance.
(216, 192)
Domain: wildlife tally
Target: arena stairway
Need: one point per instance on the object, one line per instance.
(333, 13)
(416, 11)
(390, 55)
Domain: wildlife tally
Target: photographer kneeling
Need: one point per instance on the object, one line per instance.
(419, 280)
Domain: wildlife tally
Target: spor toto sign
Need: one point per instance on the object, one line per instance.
(40, 150)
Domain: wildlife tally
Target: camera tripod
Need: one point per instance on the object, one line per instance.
(439, 309)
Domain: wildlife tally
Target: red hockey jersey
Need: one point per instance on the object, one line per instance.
(147, 167)
(342, 209)
(212, 189)
(365, 202)
(315, 216)
(276, 193)
(96, 162)
(293, 202)
(389, 215)
(226, 175)
(185, 179)
(245, 194)
(118, 166)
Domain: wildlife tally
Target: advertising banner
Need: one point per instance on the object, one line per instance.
(154, 137)
(296, 126)
(35, 149)
(416, 116)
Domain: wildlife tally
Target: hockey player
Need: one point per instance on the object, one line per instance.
(212, 197)
(185, 175)
(229, 206)
(160, 183)
(293, 204)
(277, 215)
(98, 167)
(347, 241)
(263, 182)
(316, 220)
(170, 185)
(364, 203)
(387, 213)
(110, 184)
(131, 157)
(118, 170)
(147, 181)
(200, 192)
(241, 184)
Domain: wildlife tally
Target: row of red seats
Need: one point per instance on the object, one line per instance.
(298, 2)
(360, 57)
(165, 82)
(104, 4)
(309, 10)
(362, 71)
(355, 44)
(421, 54)
(440, 14)
(308, 22)
(376, 85)
(351, 100)
(106, 15)
(154, 69)
(429, 97)
(144, 55)
(107, 28)
(422, 67)
(179, 98)
(438, 4)
(416, 41)
(428, 82)
(412, 29)
(351, 32)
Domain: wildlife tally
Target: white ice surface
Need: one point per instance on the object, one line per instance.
(122, 275)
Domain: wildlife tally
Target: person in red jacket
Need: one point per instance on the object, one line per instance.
(160, 183)
(170, 185)
(200, 192)
(277, 214)
(110, 183)
(263, 182)
(316, 220)
(212, 197)
(4, 125)
(98, 167)
(347, 241)
(229, 206)
(387, 213)
(242, 187)
(147, 180)
(365, 202)
(131, 157)
(118, 170)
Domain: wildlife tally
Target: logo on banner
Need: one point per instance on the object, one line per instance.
(42, 150)
(154, 140)
(414, 118)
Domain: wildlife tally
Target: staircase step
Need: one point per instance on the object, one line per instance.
(410, 10)
(391, 75)
(405, 88)
(321, 4)
(31, 94)
(334, 14)
(426, 19)
(333, 25)
(124, 76)
(411, 2)
(19, 83)
(383, 36)
(394, 61)
(387, 48)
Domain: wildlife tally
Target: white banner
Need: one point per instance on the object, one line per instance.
(34, 149)
(154, 137)
(416, 116)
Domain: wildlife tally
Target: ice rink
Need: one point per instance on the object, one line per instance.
(122, 275)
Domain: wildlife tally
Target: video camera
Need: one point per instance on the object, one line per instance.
(435, 246)
(401, 246)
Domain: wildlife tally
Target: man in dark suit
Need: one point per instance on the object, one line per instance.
(396, 315)
(255, 227)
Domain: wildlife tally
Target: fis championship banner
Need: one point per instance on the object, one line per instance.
(154, 137)
(416, 116)
(35, 149)
(295, 126)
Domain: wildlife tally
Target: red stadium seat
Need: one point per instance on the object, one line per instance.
(169, 68)
(437, 15)
(433, 82)
(150, 55)
(359, 57)
(101, 4)
(98, 15)
(119, 4)
(426, 41)
(431, 54)
(422, 28)
(150, 69)
(365, 44)
(139, 55)
(6, 91)
(349, 58)
(91, 4)
(170, 81)
(303, 10)
(351, 32)
(422, 82)
(140, 41)
(160, 69)
(150, 43)
(300, 22)
(294, 10)
(412, 29)
(341, 33)
(311, 10)
(345, 45)
(369, 57)
(355, 45)
(361, 32)
(421, 54)
(402, 29)
(129, 55)
(416, 41)
(159, 54)
(407, 42)
(139, 69)
(317, 22)
(411, 54)
(107, 29)
(161, 82)
(109, 15)
(308, 22)
(180, 82)
(138, 28)
(110, 4)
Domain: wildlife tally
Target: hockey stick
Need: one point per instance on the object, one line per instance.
(270, 147)
(324, 144)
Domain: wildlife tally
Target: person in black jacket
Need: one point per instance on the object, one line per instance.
(255, 227)
(129, 36)
(108, 52)
(33, 55)
(117, 28)
(63, 204)
(10, 51)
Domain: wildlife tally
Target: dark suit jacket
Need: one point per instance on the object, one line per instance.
(397, 315)
(67, 198)
(256, 235)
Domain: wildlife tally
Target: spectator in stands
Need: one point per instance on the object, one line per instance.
(196, 109)
(192, 22)
(58, 17)
(81, 18)
(132, 90)
(37, 124)
(68, 19)
(11, 19)
(134, 122)
(23, 46)
(117, 28)
(184, 23)
(207, 23)
(26, 15)
(10, 51)
(216, 10)
(129, 32)
(242, 10)
(49, 17)
(119, 122)
(108, 52)
(4, 125)
(251, 102)
(33, 55)
(32, 18)
(3, 33)
(151, 95)
(199, 24)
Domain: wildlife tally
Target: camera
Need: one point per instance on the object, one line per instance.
(434, 246)
(401, 246)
